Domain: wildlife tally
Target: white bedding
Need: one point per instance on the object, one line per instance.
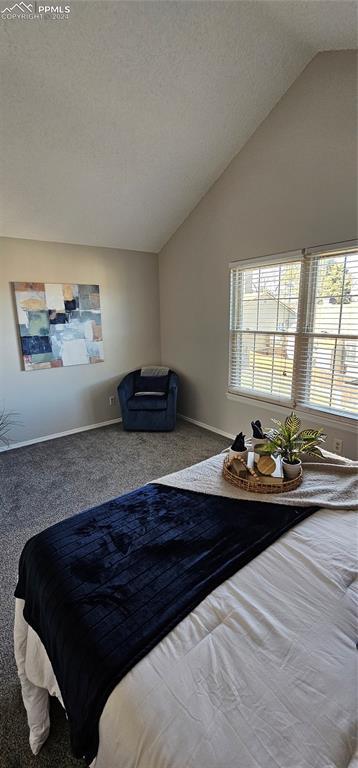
(262, 674)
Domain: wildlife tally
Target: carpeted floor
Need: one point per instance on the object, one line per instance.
(44, 483)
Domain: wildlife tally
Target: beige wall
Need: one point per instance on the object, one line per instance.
(58, 399)
(292, 185)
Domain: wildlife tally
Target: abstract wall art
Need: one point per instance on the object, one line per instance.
(59, 324)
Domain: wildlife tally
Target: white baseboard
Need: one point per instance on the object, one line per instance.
(54, 436)
(206, 426)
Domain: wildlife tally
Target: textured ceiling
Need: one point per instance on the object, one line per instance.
(117, 121)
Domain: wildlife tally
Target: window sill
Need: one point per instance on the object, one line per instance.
(326, 419)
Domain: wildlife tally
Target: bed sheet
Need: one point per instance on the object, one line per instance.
(262, 674)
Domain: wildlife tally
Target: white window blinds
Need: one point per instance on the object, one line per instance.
(327, 377)
(293, 330)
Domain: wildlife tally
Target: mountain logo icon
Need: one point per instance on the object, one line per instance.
(19, 8)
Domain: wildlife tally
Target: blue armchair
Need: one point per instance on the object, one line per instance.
(148, 403)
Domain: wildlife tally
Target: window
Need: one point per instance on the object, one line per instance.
(293, 329)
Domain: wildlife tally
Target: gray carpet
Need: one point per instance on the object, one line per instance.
(44, 483)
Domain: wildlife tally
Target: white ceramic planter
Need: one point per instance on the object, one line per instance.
(239, 455)
(291, 470)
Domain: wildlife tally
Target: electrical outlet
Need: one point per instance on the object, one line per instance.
(337, 445)
(111, 399)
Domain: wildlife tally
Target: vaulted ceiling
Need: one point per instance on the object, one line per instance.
(116, 121)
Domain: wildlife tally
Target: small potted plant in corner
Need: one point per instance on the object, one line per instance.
(287, 440)
(6, 422)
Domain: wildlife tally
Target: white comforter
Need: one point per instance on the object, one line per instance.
(262, 674)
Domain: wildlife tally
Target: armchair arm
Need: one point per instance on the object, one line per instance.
(173, 382)
(173, 389)
(125, 388)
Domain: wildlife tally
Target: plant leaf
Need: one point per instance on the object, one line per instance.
(309, 434)
(265, 450)
(315, 451)
(292, 422)
(278, 422)
(6, 423)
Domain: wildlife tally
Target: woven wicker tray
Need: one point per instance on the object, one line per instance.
(255, 486)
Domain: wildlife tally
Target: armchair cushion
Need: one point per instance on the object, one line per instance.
(148, 403)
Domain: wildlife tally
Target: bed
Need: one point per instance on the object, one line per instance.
(261, 673)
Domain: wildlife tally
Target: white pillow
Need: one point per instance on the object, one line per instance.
(143, 394)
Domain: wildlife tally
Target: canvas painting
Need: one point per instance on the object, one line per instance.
(59, 324)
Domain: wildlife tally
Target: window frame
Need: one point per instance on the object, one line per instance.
(306, 300)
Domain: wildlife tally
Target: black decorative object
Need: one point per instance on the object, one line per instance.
(239, 443)
(257, 430)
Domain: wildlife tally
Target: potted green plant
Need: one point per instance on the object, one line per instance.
(287, 440)
(6, 422)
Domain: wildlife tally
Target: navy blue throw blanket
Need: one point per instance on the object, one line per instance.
(104, 587)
